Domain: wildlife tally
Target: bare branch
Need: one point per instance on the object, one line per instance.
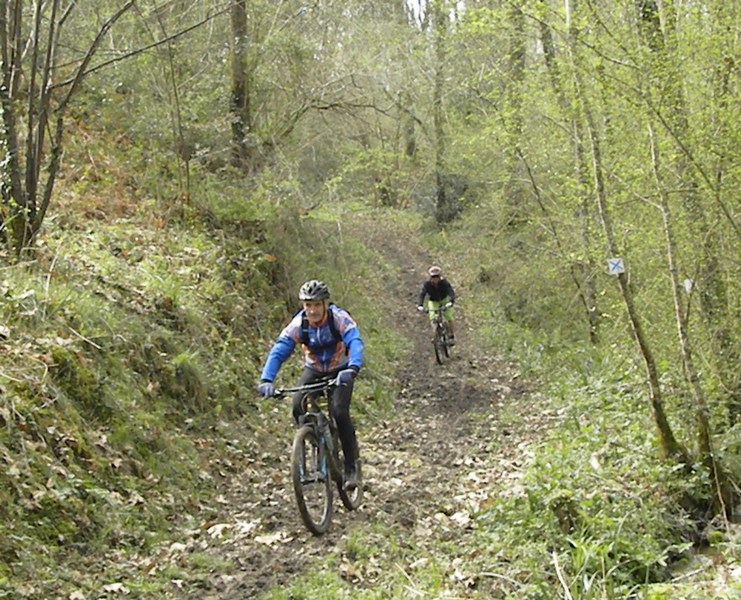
(84, 72)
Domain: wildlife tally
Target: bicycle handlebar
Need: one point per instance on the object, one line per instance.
(316, 386)
(439, 308)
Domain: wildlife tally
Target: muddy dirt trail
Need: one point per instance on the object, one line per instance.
(426, 470)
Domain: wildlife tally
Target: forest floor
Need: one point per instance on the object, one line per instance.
(459, 437)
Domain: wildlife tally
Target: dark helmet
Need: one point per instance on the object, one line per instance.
(314, 290)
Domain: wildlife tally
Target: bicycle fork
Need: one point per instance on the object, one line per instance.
(326, 461)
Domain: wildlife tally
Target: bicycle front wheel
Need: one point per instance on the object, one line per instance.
(312, 483)
(440, 346)
(446, 340)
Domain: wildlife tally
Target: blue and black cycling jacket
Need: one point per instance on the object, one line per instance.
(323, 353)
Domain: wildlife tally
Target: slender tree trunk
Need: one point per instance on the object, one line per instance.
(184, 153)
(582, 271)
(702, 412)
(408, 125)
(658, 26)
(443, 212)
(24, 207)
(703, 417)
(729, 348)
(513, 189)
(669, 444)
(440, 33)
(13, 191)
(240, 98)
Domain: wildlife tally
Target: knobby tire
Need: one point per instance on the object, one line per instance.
(441, 348)
(446, 339)
(312, 483)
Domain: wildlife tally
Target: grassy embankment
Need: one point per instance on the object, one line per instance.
(130, 349)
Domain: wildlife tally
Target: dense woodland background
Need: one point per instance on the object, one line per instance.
(173, 170)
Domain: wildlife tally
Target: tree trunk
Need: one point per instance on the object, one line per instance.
(240, 97)
(24, 207)
(183, 151)
(713, 294)
(702, 412)
(581, 270)
(669, 444)
(443, 212)
(512, 113)
(716, 306)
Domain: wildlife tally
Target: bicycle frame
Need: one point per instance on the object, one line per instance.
(317, 415)
(315, 459)
(315, 402)
(440, 342)
(440, 323)
(439, 313)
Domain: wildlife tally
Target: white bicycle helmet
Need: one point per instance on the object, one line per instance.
(314, 290)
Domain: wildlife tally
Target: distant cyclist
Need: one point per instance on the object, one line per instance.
(439, 292)
(333, 347)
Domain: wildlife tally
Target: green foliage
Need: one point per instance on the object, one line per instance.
(125, 344)
(597, 513)
(111, 354)
(596, 510)
(164, 273)
(343, 574)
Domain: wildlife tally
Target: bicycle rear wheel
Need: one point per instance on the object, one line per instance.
(312, 484)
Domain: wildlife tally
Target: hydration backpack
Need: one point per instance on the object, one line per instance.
(332, 328)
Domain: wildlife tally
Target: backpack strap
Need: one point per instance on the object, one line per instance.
(330, 321)
(332, 325)
(304, 328)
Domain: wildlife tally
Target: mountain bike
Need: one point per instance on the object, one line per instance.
(441, 341)
(316, 459)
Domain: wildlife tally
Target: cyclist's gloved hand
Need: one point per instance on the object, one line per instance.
(421, 308)
(266, 389)
(346, 376)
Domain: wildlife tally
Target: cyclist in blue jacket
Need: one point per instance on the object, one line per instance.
(439, 292)
(332, 346)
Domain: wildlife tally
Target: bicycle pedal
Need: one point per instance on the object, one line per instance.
(316, 479)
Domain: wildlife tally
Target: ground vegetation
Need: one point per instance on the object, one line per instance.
(172, 173)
